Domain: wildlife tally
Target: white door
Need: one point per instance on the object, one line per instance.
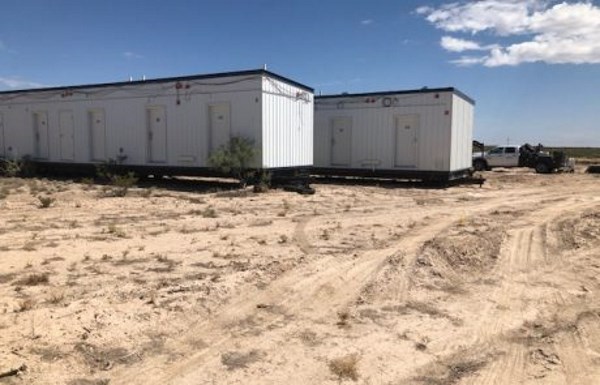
(341, 141)
(2, 148)
(66, 129)
(157, 134)
(407, 127)
(40, 134)
(97, 126)
(220, 125)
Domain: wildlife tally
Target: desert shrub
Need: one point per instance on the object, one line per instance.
(209, 212)
(26, 304)
(116, 231)
(238, 360)
(46, 201)
(34, 279)
(4, 192)
(10, 168)
(263, 182)
(345, 367)
(17, 167)
(122, 183)
(234, 158)
(119, 184)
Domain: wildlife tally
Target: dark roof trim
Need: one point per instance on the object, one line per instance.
(170, 79)
(387, 93)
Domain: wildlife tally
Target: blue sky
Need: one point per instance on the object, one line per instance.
(533, 66)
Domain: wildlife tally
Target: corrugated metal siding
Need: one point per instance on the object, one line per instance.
(373, 129)
(462, 134)
(287, 125)
(125, 113)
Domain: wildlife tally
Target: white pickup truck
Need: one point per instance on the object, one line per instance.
(522, 156)
(504, 156)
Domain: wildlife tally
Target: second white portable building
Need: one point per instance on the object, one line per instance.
(419, 134)
(164, 126)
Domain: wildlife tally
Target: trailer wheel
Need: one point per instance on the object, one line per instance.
(480, 165)
(542, 168)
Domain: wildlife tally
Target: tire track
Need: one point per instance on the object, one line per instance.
(526, 252)
(323, 287)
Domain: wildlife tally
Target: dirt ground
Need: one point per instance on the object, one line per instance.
(368, 284)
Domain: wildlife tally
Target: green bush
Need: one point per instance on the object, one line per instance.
(234, 158)
(23, 167)
(121, 183)
(10, 168)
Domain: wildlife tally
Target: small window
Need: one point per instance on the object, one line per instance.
(497, 150)
(510, 150)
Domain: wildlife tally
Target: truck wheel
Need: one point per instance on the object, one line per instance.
(480, 165)
(542, 168)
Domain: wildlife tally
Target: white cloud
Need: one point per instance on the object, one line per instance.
(466, 61)
(568, 32)
(453, 44)
(366, 22)
(18, 83)
(505, 17)
(132, 55)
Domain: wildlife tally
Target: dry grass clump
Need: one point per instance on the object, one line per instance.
(309, 337)
(209, 212)
(46, 201)
(343, 319)
(26, 304)
(4, 192)
(55, 297)
(34, 279)
(29, 246)
(453, 372)
(345, 367)
(85, 381)
(113, 229)
(7, 277)
(239, 360)
(101, 358)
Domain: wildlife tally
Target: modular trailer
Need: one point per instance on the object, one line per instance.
(163, 126)
(424, 134)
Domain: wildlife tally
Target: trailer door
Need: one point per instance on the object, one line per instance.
(97, 128)
(407, 127)
(40, 134)
(220, 126)
(157, 135)
(341, 141)
(2, 148)
(66, 128)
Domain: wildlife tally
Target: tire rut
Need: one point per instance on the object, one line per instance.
(331, 283)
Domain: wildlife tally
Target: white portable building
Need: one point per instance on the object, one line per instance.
(165, 126)
(420, 134)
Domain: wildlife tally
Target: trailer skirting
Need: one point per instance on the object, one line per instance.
(91, 169)
(418, 175)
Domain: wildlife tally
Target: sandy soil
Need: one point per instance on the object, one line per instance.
(370, 284)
